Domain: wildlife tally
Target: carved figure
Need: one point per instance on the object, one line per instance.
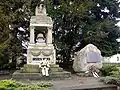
(40, 9)
(40, 38)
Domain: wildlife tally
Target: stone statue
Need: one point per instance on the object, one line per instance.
(40, 9)
(40, 38)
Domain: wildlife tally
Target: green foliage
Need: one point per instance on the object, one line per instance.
(13, 14)
(113, 78)
(109, 80)
(75, 22)
(108, 70)
(8, 85)
(13, 85)
(84, 22)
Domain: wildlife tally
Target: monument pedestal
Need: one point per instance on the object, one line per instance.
(38, 53)
(41, 53)
(33, 72)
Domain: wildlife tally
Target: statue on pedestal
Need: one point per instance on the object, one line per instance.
(40, 9)
(40, 38)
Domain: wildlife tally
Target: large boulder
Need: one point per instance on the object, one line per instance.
(89, 56)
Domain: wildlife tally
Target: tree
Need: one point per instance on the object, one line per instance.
(101, 26)
(14, 14)
(79, 22)
(76, 23)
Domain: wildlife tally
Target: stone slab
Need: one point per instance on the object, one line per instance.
(56, 69)
(41, 20)
(31, 68)
(38, 76)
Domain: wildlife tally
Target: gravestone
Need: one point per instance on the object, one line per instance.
(89, 56)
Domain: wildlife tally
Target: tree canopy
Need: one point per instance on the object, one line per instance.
(13, 15)
(80, 22)
(76, 24)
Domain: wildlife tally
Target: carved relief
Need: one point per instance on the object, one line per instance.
(35, 52)
(45, 52)
(40, 38)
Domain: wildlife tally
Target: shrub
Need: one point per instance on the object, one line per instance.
(107, 70)
(13, 85)
(112, 73)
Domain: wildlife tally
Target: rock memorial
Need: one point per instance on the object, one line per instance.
(89, 56)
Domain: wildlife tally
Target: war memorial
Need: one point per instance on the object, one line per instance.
(41, 54)
(41, 59)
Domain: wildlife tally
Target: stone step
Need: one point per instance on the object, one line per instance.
(38, 76)
(56, 69)
(30, 68)
(54, 66)
(63, 74)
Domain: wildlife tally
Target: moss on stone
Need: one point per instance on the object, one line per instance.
(31, 68)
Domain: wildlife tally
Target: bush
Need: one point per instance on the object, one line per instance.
(112, 79)
(13, 85)
(113, 74)
(107, 70)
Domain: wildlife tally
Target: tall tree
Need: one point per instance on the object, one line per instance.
(14, 14)
(80, 22)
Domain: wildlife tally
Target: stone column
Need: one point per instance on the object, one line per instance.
(49, 35)
(32, 35)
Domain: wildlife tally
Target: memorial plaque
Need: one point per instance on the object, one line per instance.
(37, 59)
(40, 59)
(93, 57)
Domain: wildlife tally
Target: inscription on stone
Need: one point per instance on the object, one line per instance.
(93, 57)
(40, 59)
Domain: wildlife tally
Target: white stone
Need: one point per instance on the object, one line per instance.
(42, 48)
(82, 62)
(40, 38)
(40, 9)
(32, 34)
(38, 51)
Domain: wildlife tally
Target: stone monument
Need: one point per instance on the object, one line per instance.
(40, 46)
(41, 55)
(87, 58)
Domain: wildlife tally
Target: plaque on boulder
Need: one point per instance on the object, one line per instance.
(89, 56)
(93, 57)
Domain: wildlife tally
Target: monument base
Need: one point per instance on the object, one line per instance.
(37, 53)
(34, 73)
